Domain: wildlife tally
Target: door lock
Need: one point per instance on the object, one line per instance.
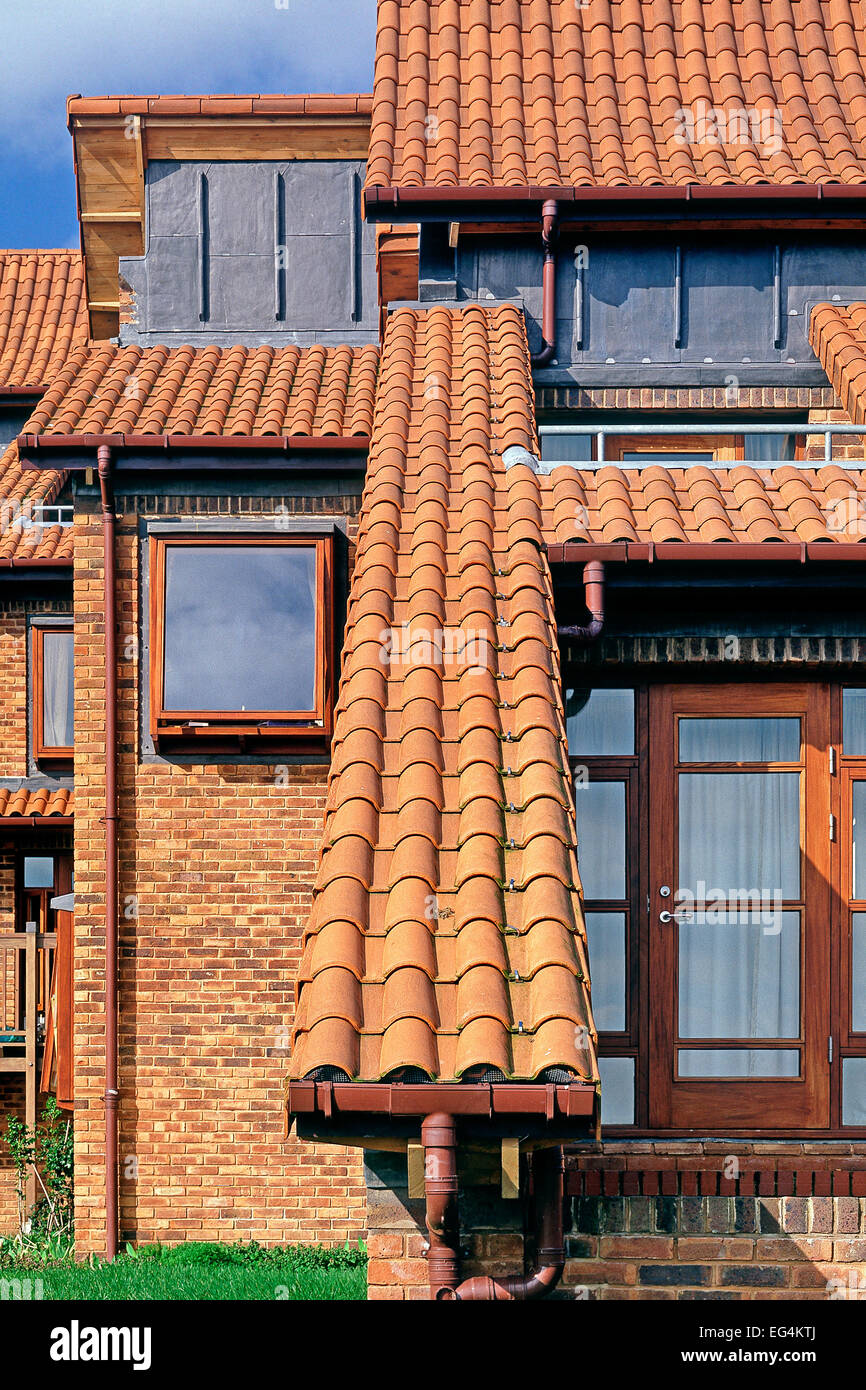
(664, 891)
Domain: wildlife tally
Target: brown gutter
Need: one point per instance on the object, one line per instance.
(404, 198)
(50, 564)
(104, 460)
(789, 552)
(439, 1141)
(276, 443)
(547, 1100)
(548, 313)
(37, 822)
(593, 583)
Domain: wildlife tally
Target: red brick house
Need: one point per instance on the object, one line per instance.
(473, 469)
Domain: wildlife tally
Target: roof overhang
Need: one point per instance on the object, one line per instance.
(690, 552)
(36, 822)
(115, 138)
(387, 1114)
(203, 453)
(818, 205)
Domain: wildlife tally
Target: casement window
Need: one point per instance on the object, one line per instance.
(722, 853)
(240, 637)
(52, 692)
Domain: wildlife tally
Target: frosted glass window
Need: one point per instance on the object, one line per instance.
(739, 975)
(858, 972)
(606, 936)
(739, 1062)
(601, 839)
(854, 723)
(600, 722)
(739, 740)
(38, 872)
(617, 1090)
(854, 1091)
(740, 834)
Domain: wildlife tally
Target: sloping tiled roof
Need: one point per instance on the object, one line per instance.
(837, 333)
(697, 504)
(26, 802)
(43, 315)
(552, 93)
(181, 391)
(22, 540)
(446, 933)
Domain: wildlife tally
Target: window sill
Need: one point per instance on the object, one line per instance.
(241, 738)
(54, 759)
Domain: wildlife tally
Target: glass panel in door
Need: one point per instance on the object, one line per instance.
(736, 905)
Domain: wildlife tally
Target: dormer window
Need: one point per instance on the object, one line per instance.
(240, 633)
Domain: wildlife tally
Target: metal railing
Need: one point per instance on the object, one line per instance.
(709, 429)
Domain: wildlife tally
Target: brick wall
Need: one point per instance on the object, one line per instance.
(655, 1237)
(716, 1247)
(216, 867)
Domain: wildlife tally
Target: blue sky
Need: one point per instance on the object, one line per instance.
(51, 48)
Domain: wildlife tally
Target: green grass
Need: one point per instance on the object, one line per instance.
(202, 1272)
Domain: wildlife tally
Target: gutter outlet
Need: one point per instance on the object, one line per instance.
(593, 584)
(549, 219)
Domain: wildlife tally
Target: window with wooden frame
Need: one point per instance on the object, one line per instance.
(722, 853)
(672, 450)
(52, 664)
(241, 635)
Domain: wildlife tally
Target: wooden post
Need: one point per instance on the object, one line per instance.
(31, 962)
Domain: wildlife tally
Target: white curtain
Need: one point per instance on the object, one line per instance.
(739, 958)
(57, 679)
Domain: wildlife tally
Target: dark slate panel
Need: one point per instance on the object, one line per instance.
(628, 313)
(172, 198)
(241, 209)
(173, 276)
(728, 303)
(241, 291)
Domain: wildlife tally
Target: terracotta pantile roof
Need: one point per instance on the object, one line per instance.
(837, 333)
(551, 93)
(26, 802)
(22, 538)
(446, 933)
(740, 504)
(43, 315)
(287, 391)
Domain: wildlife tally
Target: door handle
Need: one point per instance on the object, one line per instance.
(682, 914)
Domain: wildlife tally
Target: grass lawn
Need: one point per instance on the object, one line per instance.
(195, 1272)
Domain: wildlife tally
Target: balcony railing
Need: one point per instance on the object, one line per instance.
(812, 455)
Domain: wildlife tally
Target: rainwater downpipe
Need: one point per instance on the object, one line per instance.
(593, 585)
(104, 461)
(439, 1141)
(549, 215)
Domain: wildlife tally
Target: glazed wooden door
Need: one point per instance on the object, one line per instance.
(739, 907)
